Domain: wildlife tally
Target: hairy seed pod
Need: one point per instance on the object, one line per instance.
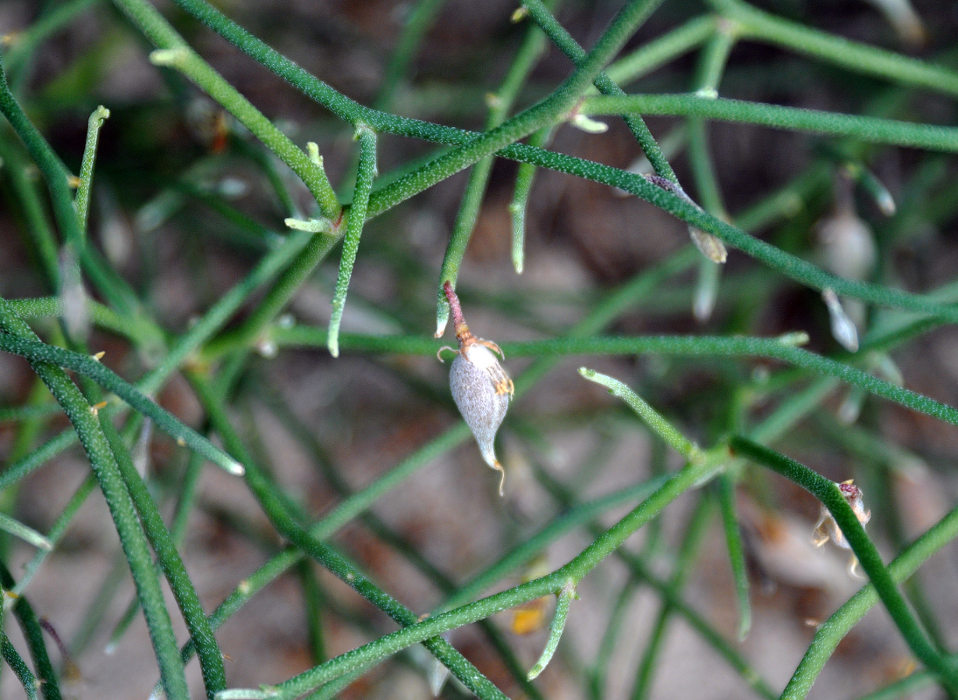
(480, 386)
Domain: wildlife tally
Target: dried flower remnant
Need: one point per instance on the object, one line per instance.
(709, 246)
(480, 386)
(827, 529)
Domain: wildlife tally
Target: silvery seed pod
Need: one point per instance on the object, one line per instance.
(480, 386)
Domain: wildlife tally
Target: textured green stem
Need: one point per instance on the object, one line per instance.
(869, 129)
(287, 525)
(19, 667)
(500, 104)
(563, 600)
(86, 165)
(355, 218)
(658, 423)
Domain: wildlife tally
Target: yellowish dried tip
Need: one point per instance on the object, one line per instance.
(12, 594)
(99, 355)
(181, 442)
(73, 181)
(95, 408)
(519, 14)
(9, 39)
(708, 245)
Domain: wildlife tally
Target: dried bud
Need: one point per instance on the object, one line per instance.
(480, 386)
(843, 327)
(827, 529)
(847, 245)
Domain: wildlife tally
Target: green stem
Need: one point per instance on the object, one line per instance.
(831, 497)
(736, 552)
(659, 425)
(355, 219)
(500, 104)
(855, 56)
(19, 667)
(564, 599)
(33, 631)
(862, 128)
(86, 165)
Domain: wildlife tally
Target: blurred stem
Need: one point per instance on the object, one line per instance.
(47, 680)
(684, 561)
(736, 551)
(418, 21)
(660, 51)
(862, 58)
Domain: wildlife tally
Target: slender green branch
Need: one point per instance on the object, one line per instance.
(100, 114)
(33, 632)
(685, 560)
(355, 218)
(659, 424)
(500, 104)
(417, 23)
(694, 346)
(168, 558)
(23, 532)
(855, 56)
(862, 128)
(834, 629)
(736, 552)
(658, 52)
(19, 667)
(563, 600)
(54, 172)
(275, 508)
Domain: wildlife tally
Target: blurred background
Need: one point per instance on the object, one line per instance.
(183, 206)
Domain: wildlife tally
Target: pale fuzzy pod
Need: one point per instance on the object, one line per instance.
(847, 244)
(476, 380)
